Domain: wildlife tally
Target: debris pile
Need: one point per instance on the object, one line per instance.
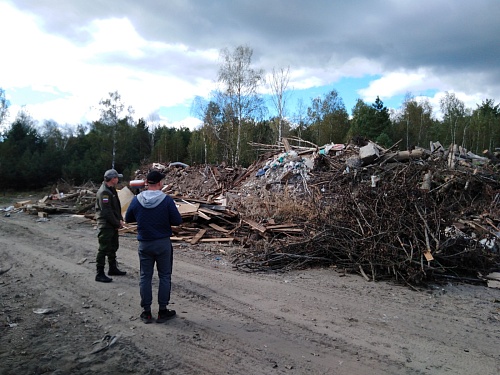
(412, 216)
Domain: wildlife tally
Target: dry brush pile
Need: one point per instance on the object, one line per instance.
(393, 230)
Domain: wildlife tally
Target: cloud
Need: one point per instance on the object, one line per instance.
(160, 54)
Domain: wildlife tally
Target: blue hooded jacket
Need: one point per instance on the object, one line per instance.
(155, 212)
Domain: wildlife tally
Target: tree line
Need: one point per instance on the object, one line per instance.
(34, 155)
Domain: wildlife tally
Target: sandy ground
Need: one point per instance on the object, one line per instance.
(55, 319)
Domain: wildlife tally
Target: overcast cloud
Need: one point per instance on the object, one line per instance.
(61, 57)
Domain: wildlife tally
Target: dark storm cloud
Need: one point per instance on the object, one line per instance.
(447, 37)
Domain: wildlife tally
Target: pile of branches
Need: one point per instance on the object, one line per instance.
(393, 229)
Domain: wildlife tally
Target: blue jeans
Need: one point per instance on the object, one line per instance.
(159, 252)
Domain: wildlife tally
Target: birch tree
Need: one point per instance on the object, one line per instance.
(453, 111)
(240, 84)
(112, 109)
(4, 107)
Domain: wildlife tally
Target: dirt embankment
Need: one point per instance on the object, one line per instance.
(229, 322)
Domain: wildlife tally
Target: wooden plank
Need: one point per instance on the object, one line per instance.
(178, 238)
(198, 236)
(280, 226)
(209, 211)
(179, 229)
(128, 228)
(219, 239)
(218, 228)
(181, 197)
(255, 225)
(287, 230)
(215, 207)
(187, 208)
(204, 216)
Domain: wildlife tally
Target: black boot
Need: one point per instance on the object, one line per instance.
(113, 269)
(101, 276)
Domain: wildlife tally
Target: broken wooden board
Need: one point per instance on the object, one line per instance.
(215, 207)
(218, 228)
(255, 225)
(187, 208)
(179, 238)
(198, 236)
(218, 239)
(203, 215)
(209, 211)
(128, 228)
(287, 230)
(280, 226)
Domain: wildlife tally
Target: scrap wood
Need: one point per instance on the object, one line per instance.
(218, 228)
(218, 239)
(188, 200)
(184, 228)
(198, 236)
(255, 225)
(203, 215)
(287, 230)
(281, 226)
(209, 211)
(186, 207)
(181, 238)
(214, 207)
(128, 228)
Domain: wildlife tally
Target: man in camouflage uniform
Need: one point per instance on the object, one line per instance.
(108, 213)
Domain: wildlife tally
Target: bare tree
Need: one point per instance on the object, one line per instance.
(279, 84)
(240, 83)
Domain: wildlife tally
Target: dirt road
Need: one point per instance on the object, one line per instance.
(56, 319)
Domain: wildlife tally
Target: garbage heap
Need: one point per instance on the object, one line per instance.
(413, 216)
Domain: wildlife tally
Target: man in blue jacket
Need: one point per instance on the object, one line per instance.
(154, 212)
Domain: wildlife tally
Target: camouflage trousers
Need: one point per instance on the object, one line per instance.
(108, 246)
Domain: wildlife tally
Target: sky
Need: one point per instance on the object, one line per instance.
(59, 59)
